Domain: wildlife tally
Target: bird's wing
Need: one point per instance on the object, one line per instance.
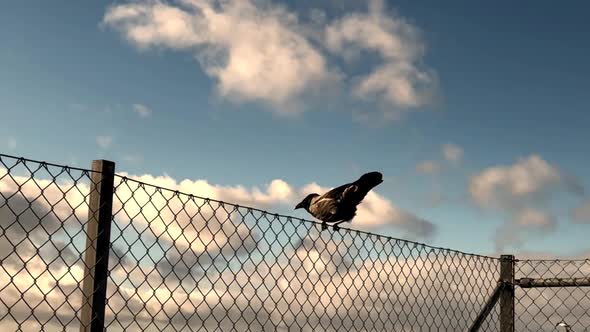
(357, 190)
(325, 209)
(338, 193)
(349, 193)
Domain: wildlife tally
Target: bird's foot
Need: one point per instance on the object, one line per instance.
(324, 226)
(336, 228)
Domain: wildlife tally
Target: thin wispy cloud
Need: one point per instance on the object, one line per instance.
(452, 153)
(104, 142)
(78, 107)
(581, 213)
(428, 167)
(142, 110)
(133, 158)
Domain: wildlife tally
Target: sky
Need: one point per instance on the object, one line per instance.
(476, 114)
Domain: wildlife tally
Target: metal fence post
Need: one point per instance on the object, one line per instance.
(507, 296)
(98, 233)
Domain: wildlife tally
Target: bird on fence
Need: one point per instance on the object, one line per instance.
(339, 204)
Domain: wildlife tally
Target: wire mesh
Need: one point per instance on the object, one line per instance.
(43, 216)
(180, 262)
(196, 264)
(541, 309)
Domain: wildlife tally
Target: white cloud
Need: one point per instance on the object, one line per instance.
(142, 110)
(282, 282)
(522, 191)
(511, 186)
(104, 142)
(147, 285)
(581, 214)
(376, 210)
(533, 218)
(133, 158)
(272, 294)
(525, 223)
(259, 51)
(452, 153)
(428, 167)
(399, 80)
(194, 234)
(255, 50)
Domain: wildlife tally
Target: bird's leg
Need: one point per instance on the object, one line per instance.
(336, 227)
(324, 226)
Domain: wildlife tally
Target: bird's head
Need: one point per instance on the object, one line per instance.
(306, 201)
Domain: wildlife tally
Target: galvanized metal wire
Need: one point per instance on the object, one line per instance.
(43, 216)
(542, 309)
(180, 262)
(198, 264)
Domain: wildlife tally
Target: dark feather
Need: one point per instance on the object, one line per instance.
(340, 204)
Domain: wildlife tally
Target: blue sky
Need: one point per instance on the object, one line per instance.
(510, 80)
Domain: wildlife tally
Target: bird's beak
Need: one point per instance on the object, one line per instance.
(299, 206)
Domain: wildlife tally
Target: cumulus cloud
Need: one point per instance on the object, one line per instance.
(104, 142)
(376, 211)
(255, 50)
(529, 179)
(275, 274)
(261, 51)
(399, 80)
(581, 214)
(452, 153)
(153, 209)
(524, 223)
(517, 191)
(142, 110)
(428, 167)
(178, 259)
(530, 217)
(280, 283)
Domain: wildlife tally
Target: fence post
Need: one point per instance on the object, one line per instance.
(98, 233)
(507, 296)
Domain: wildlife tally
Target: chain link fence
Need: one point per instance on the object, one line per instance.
(44, 213)
(543, 308)
(178, 262)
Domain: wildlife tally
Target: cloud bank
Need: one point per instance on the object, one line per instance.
(179, 261)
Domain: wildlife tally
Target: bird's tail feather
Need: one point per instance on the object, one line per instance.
(369, 180)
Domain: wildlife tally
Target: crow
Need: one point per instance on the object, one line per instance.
(339, 204)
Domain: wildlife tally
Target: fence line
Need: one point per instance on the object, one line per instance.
(180, 262)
